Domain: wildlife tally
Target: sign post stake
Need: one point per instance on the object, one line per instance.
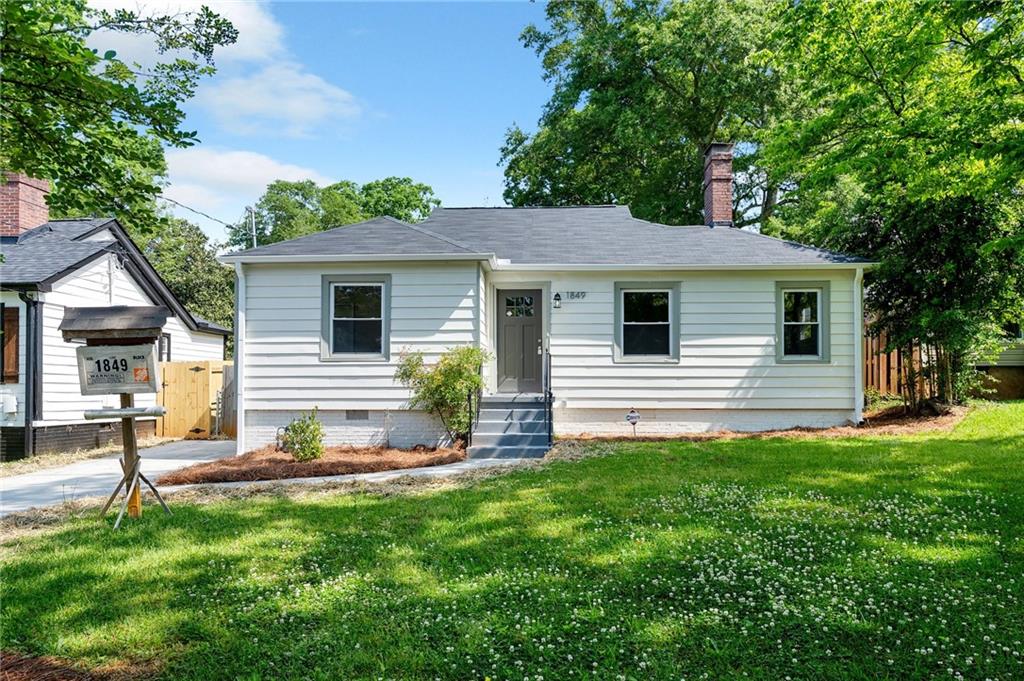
(130, 463)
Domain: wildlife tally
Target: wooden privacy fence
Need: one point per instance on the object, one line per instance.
(192, 393)
(886, 371)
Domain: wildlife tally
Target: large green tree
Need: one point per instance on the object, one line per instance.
(907, 147)
(291, 209)
(187, 261)
(92, 123)
(640, 89)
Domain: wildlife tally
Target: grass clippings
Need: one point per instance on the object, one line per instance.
(271, 463)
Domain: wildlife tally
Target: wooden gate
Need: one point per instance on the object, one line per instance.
(189, 391)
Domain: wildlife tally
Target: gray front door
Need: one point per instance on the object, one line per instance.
(520, 340)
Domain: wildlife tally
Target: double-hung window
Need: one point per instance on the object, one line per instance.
(355, 324)
(802, 322)
(646, 326)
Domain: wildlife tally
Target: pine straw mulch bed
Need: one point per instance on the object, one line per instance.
(23, 524)
(270, 463)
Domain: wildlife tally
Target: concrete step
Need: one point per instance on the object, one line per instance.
(520, 399)
(510, 426)
(510, 439)
(491, 452)
(488, 413)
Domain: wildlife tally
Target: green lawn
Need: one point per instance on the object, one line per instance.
(859, 558)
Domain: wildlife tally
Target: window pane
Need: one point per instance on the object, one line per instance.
(801, 339)
(801, 306)
(357, 301)
(357, 336)
(645, 306)
(645, 339)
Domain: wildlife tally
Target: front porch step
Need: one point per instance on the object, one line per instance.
(517, 440)
(490, 452)
(510, 427)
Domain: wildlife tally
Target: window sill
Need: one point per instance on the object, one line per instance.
(354, 358)
(802, 360)
(645, 359)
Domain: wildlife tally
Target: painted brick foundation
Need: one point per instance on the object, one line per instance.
(85, 435)
(572, 422)
(399, 428)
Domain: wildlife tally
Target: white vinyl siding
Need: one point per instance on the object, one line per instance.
(432, 308)
(63, 401)
(15, 390)
(727, 331)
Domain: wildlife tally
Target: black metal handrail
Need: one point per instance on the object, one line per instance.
(474, 411)
(549, 398)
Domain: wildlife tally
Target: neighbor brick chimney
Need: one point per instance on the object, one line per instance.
(718, 185)
(22, 203)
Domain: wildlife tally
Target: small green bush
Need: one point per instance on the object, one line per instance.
(443, 389)
(304, 437)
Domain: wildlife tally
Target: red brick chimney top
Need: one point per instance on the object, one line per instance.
(718, 185)
(22, 203)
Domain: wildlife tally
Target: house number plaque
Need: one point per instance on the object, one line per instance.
(575, 295)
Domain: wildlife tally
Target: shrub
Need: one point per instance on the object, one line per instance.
(443, 389)
(304, 437)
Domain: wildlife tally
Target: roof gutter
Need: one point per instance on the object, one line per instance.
(532, 267)
(374, 257)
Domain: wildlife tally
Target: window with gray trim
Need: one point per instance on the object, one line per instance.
(802, 330)
(646, 322)
(355, 316)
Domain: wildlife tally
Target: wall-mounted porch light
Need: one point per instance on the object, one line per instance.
(557, 301)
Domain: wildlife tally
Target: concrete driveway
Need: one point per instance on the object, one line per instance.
(97, 477)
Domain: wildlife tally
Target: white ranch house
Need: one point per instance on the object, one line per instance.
(52, 264)
(697, 328)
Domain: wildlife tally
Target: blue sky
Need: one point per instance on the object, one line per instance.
(358, 91)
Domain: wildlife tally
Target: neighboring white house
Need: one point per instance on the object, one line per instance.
(696, 328)
(70, 263)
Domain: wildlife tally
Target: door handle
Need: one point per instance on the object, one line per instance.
(540, 350)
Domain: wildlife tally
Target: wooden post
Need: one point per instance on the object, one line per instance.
(130, 462)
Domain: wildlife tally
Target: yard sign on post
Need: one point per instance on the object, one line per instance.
(119, 357)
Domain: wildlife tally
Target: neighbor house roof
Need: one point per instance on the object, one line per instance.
(577, 237)
(41, 256)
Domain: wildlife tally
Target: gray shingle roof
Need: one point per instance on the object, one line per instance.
(73, 228)
(40, 259)
(584, 235)
(383, 235)
(610, 235)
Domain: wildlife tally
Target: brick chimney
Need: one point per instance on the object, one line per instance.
(718, 185)
(22, 203)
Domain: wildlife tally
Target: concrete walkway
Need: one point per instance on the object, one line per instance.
(97, 477)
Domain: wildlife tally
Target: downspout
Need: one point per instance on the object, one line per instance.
(858, 346)
(239, 358)
(33, 367)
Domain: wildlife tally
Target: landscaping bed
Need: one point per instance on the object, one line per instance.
(271, 463)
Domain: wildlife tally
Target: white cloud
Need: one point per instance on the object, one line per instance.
(260, 37)
(221, 182)
(281, 97)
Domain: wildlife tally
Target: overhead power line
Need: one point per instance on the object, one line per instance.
(197, 211)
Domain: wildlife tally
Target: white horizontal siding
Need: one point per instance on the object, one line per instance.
(15, 390)
(90, 286)
(432, 309)
(1012, 356)
(727, 345)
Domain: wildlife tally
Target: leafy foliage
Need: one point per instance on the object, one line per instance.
(304, 437)
(640, 89)
(444, 388)
(292, 209)
(92, 123)
(187, 261)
